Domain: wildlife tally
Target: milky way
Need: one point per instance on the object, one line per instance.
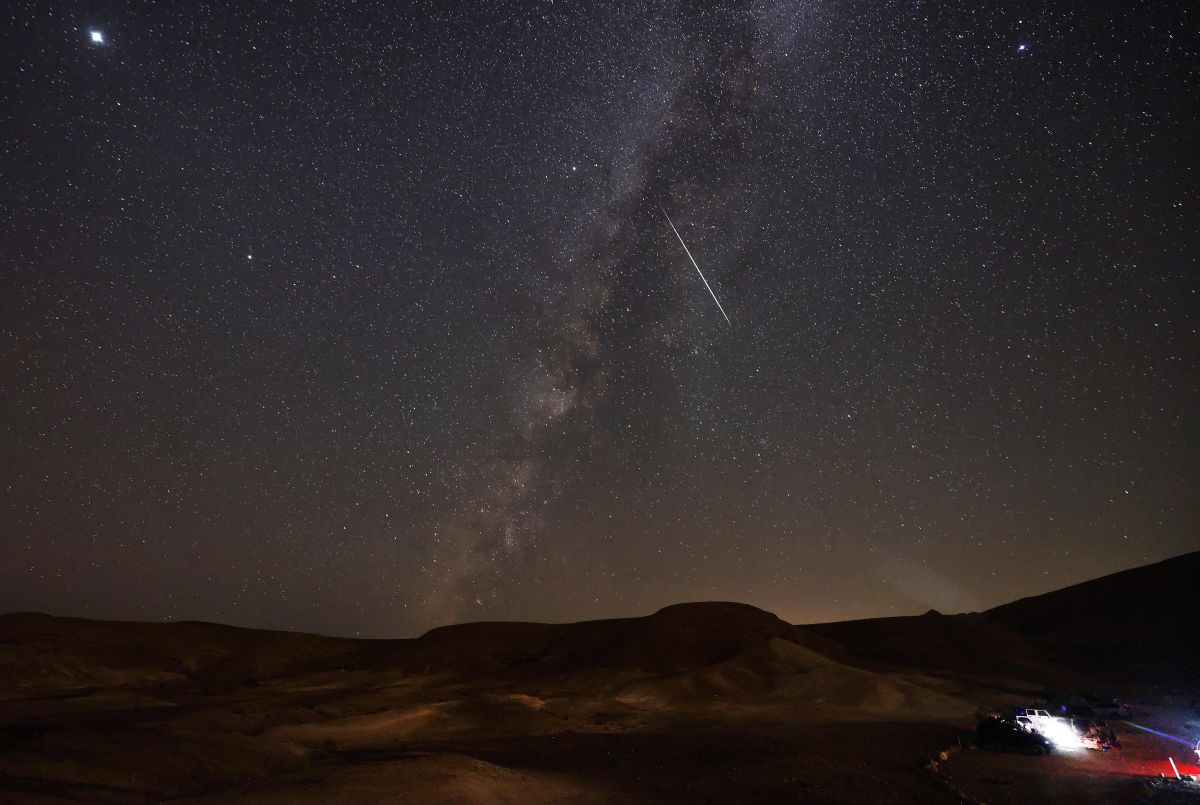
(361, 319)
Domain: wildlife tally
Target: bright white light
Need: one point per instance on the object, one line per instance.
(97, 37)
(1022, 48)
(1060, 733)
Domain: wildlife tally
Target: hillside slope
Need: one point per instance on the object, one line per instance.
(1133, 628)
(38, 650)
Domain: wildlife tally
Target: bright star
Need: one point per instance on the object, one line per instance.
(1022, 48)
(97, 37)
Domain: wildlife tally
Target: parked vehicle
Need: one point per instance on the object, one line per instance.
(999, 733)
(1059, 730)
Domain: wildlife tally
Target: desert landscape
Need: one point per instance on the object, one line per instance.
(703, 702)
(733, 401)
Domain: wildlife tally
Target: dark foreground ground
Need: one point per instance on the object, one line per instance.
(371, 740)
(383, 744)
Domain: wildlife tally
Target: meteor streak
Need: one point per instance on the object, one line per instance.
(697, 265)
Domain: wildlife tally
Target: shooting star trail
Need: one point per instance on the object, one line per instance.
(697, 265)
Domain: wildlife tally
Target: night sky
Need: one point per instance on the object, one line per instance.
(362, 318)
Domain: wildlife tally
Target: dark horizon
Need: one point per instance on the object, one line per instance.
(360, 320)
(254, 627)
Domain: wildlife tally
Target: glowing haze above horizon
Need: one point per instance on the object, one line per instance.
(362, 318)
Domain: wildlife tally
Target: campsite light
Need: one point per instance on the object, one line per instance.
(1060, 733)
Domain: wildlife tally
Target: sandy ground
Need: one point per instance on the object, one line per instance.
(422, 742)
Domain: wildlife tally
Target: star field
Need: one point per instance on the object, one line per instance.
(362, 318)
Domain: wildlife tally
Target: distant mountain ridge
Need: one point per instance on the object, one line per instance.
(1136, 627)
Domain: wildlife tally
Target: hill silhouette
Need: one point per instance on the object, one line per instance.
(1125, 628)
(1128, 629)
